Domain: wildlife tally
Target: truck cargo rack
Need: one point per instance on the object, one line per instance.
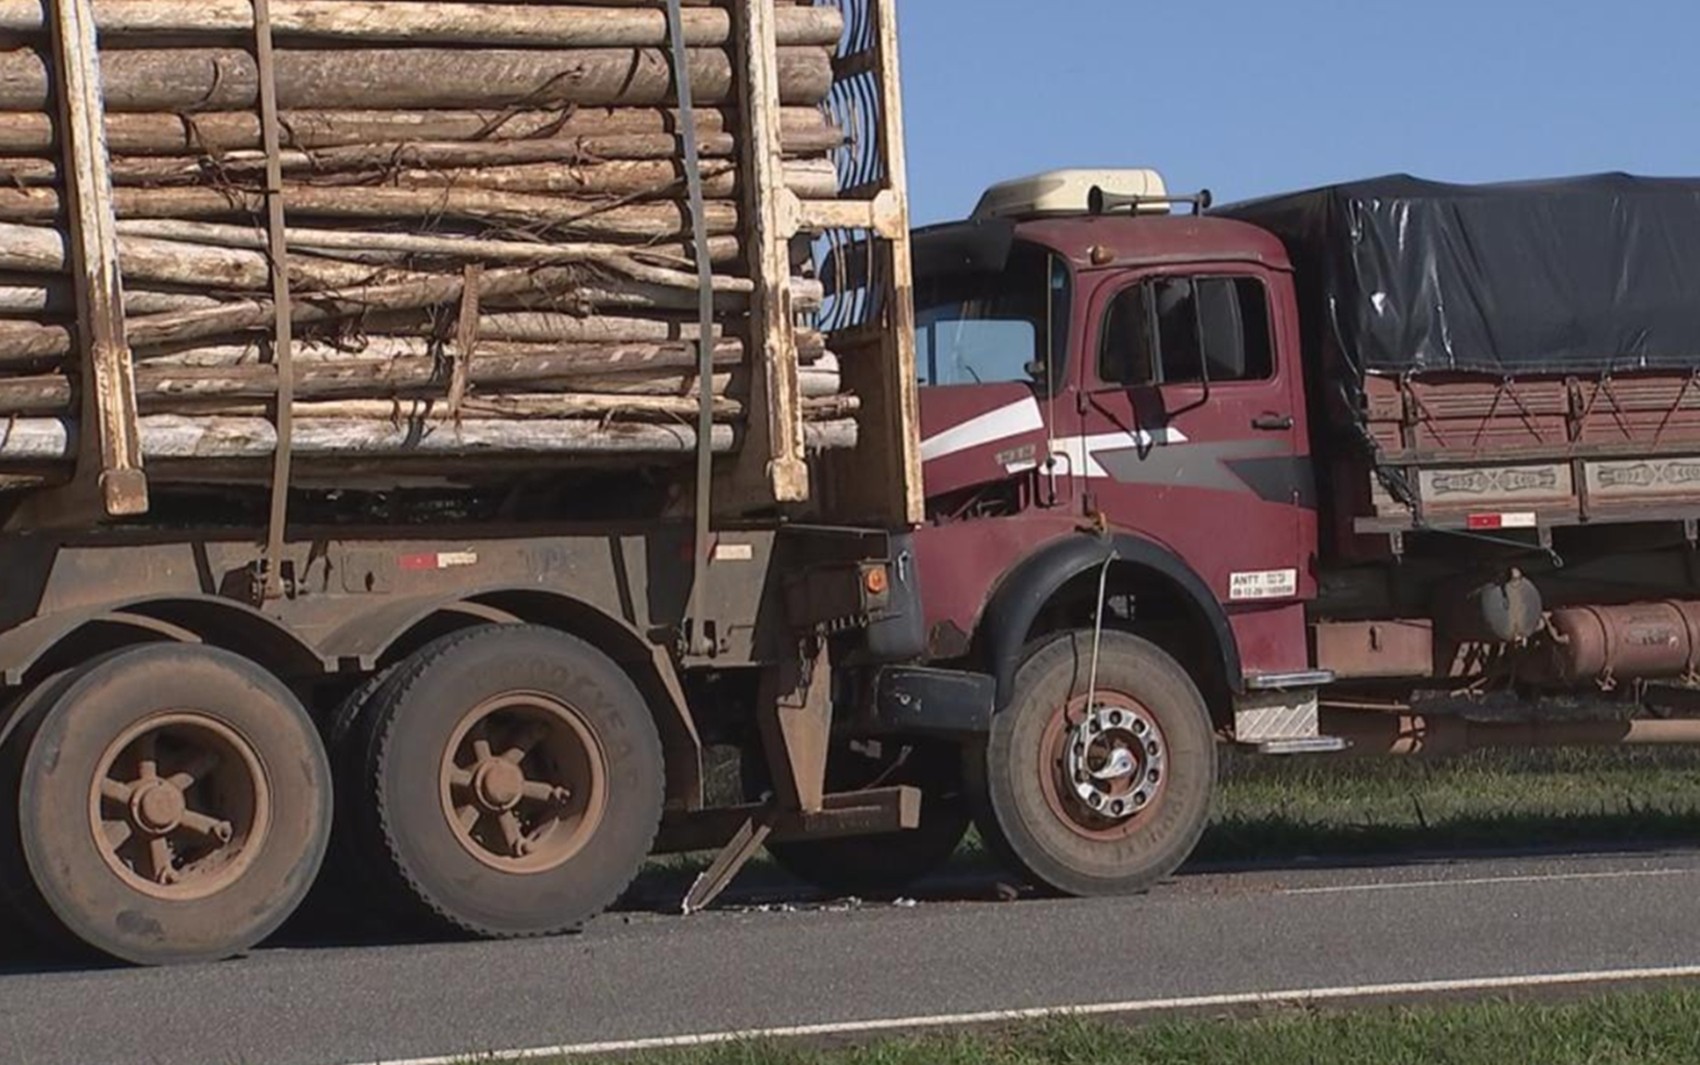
(1478, 452)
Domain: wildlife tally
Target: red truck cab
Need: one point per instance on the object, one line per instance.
(1114, 437)
(1128, 531)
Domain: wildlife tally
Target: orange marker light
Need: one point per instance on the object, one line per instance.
(876, 580)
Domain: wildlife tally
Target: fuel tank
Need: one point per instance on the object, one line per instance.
(1601, 644)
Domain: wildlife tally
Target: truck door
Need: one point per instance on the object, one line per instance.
(1192, 430)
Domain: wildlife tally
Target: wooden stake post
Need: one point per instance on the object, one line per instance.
(882, 483)
(109, 457)
(771, 461)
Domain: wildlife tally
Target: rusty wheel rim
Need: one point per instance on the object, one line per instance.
(179, 805)
(523, 782)
(1105, 766)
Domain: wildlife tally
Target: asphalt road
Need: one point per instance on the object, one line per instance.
(1345, 933)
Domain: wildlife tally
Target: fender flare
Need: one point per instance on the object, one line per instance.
(368, 634)
(1023, 592)
(214, 620)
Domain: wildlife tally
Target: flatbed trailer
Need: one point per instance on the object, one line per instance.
(487, 700)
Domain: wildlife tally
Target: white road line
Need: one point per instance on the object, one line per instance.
(1533, 878)
(1296, 996)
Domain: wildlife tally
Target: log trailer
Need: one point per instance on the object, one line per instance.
(477, 668)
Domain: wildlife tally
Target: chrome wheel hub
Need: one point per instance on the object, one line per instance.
(1115, 761)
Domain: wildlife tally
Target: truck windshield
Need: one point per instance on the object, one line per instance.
(992, 327)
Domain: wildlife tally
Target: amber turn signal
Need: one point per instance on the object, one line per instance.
(876, 580)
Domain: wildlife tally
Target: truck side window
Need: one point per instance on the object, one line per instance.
(1168, 330)
(1125, 356)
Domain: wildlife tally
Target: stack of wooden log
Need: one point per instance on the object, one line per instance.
(488, 235)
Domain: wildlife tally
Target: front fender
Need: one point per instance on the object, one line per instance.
(1023, 592)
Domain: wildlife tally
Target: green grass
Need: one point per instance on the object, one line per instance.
(1273, 809)
(1646, 1028)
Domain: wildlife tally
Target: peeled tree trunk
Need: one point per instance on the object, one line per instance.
(163, 385)
(568, 217)
(593, 132)
(411, 22)
(189, 79)
(173, 436)
(507, 166)
(481, 217)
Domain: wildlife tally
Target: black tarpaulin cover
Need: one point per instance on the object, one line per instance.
(1583, 275)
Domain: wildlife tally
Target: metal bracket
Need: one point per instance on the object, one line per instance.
(853, 813)
(1310, 678)
(1306, 745)
(795, 717)
(282, 314)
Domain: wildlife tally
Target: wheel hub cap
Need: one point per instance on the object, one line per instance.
(523, 782)
(157, 808)
(499, 784)
(179, 805)
(1115, 761)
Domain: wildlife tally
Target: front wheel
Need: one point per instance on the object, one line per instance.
(1096, 789)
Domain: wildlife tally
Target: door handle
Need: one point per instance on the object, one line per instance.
(1272, 421)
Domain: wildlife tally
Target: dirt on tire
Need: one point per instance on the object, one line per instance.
(62, 866)
(398, 818)
(1040, 835)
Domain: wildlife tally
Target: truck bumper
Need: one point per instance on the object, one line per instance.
(948, 703)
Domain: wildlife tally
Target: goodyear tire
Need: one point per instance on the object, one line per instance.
(1102, 795)
(512, 782)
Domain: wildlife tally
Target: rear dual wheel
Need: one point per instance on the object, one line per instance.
(502, 781)
(172, 804)
(1096, 784)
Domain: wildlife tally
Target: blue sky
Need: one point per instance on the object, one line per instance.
(1248, 97)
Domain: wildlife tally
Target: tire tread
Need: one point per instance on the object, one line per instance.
(382, 717)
